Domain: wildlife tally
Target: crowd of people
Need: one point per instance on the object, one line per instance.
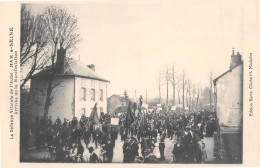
(184, 129)
(65, 140)
(143, 139)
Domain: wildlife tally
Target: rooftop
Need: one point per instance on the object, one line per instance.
(229, 70)
(73, 68)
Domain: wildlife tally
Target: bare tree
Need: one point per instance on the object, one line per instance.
(63, 32)
(172, 80)
(179, 86)
(194, 93)
(167, 79)
(159, 86)
(33, 42)
(187, 92)
(198, 95)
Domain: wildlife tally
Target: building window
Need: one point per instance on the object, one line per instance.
(83, 82)
(83, 111)
(93, 94)
(101, 110)
(83, 94)
(101, 94)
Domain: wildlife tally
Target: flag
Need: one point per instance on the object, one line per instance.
(140, 103)
(129, 116)
(135, 108)
(94, 116)
(143, 121)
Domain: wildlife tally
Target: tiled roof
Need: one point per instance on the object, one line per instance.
(75, 68)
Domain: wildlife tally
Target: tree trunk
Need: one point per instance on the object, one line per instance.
(187, 99)
(50, 82)
(29, 75)
(179, 97)
(48, 98)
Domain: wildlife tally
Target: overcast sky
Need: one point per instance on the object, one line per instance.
(131, 42)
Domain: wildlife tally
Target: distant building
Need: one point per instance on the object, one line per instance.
(78, 88)
(117, 104)
(229, 109)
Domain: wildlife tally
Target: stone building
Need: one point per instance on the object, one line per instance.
(117, 104)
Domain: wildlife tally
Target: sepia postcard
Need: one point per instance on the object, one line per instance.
(130, 83)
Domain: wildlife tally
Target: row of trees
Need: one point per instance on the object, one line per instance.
(40, 38)
(188, 93)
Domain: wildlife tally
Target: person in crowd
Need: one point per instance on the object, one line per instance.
(73, 152)
(156, 151)
(109, 148)
(93, 158)
(151, 131)
(127, 151)
(80, 152)
(134, 146)
(150, 156)
(162, 145)
(204, 153)
(113, 136)
(97, 137)
(103, 155)
(86, 155)
(178, 152)
(122, 131)
(65, 151)
(86, 135)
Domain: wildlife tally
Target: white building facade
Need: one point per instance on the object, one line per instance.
(78, 88)
(87, 93)
(228, 142)
(229, 94)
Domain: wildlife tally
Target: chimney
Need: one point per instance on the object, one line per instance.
(92, 67)
(235, 59)
(61, 55)
(233, 51)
